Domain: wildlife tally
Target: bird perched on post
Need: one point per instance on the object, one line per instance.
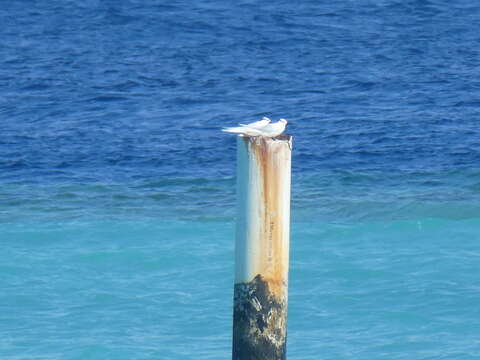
(263, 127)
(258, 124)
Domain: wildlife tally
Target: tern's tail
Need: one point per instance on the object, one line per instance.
(242, 130)
(237, 130)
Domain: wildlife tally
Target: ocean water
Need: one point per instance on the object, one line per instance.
(117, 189)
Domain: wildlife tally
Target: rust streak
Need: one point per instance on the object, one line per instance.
(268, 154)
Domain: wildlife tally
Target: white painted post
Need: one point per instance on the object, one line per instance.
(262, 248)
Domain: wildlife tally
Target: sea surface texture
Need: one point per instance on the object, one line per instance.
(117, 187)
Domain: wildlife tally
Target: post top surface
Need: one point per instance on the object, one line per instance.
(284, 137)
(269, 141)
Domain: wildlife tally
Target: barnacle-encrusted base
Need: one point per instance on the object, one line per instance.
(259, 322)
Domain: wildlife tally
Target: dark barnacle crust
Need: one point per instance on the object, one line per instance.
(259, 319)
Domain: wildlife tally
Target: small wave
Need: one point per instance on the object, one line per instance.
(107, 98)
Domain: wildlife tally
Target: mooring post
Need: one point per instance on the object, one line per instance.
(262, 248)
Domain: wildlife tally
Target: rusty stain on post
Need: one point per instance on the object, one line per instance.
(262, 247)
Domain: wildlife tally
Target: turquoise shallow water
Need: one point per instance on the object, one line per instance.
(163, 290)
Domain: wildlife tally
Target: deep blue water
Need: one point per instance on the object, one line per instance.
(117, 189)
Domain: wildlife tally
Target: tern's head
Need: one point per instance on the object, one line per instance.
(283, 121)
